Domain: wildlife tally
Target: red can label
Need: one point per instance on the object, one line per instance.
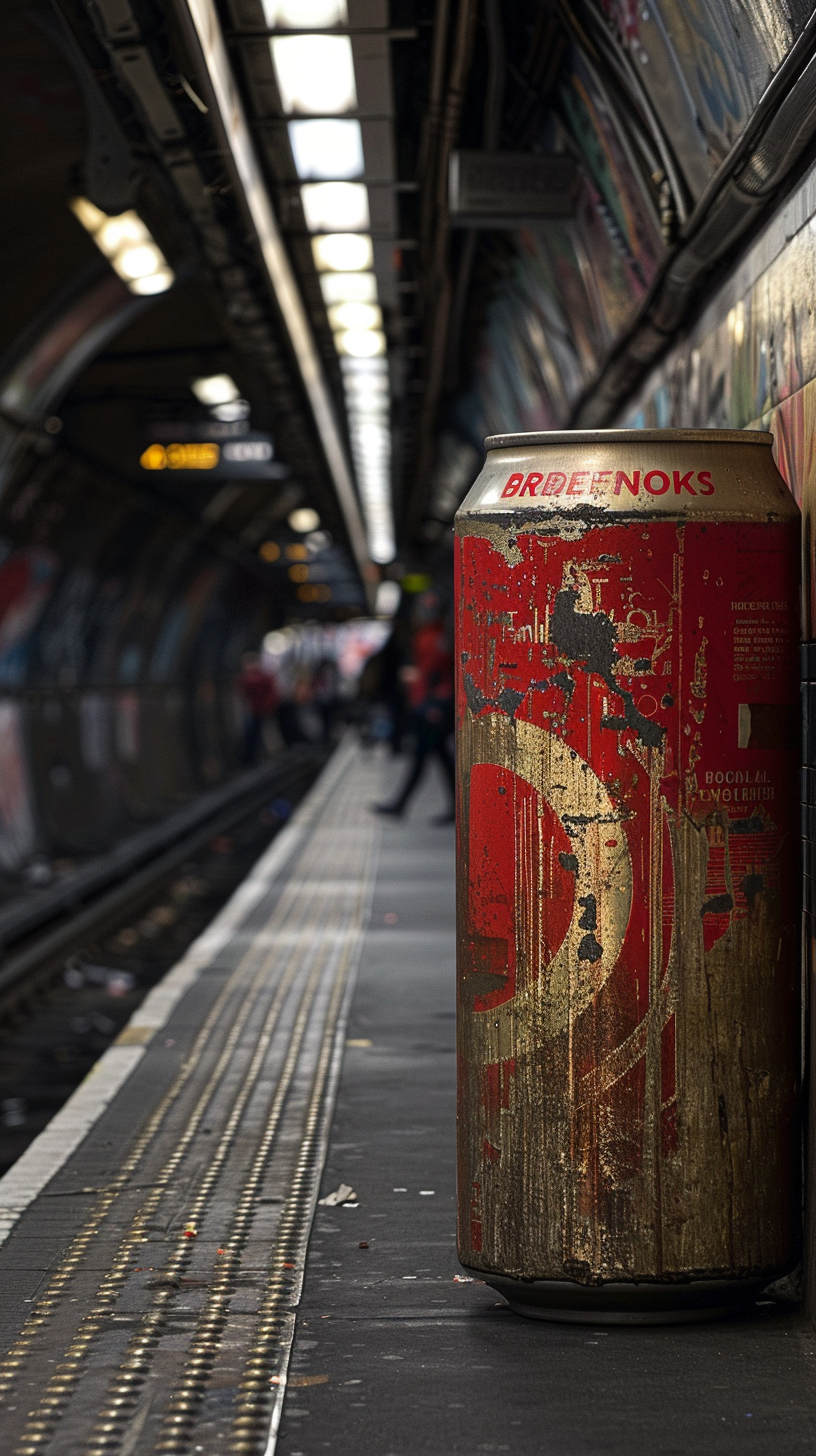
(628, 897)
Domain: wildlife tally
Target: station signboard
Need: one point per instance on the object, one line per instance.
(211, 449)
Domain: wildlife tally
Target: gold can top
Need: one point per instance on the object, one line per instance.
(575, 474)
(629, 437)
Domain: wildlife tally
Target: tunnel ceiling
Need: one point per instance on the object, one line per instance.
(608, 159)
(90, 368)
(546, 193)
(589, 170)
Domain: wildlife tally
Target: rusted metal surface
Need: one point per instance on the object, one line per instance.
(628, 860)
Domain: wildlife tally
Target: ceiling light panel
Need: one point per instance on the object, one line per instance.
(355, 316)
(366, 386)
(372, 375)
(304, 519)
(348, 287)
(343, 253)
(360, 343)
(278, 265)
(315, 74)
(340, 205)
(127, 244)
(327, 150)
(305, 14)
(316, 80)
(214, 389)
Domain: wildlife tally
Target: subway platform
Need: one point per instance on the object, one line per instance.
(170, 1281)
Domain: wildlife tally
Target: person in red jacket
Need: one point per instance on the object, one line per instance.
(428, 680)
(260, 697)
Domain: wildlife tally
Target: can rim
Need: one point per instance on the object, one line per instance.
(630, 437)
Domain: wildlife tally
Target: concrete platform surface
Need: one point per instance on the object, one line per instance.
(163, 1251)
(393, 1356)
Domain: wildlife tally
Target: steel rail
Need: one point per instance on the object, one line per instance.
(35, 962)
(36, 909)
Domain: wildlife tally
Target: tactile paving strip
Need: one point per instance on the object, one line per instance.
(143, 1359)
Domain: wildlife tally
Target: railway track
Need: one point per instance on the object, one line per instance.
(37, 935)
(183, 1342)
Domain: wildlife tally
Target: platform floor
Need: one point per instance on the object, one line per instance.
(159, 1232)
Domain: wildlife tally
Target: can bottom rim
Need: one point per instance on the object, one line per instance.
(639, 1302)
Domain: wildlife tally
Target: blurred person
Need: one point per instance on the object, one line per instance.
(382, 685)
(325, 694)
(428, 680)
(295, 697)
(260, 695)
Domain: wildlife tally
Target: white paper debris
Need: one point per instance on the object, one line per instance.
(344, 1194)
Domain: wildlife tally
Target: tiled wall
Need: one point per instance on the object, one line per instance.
(750, 360)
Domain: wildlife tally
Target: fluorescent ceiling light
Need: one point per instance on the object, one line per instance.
(304, 519)
(231, 410)
(360, 343)
(355, 316)
(363, 385)
(388, 598)
(342, 253)
(368, 407)
(366, 388)
(305, 14)
(340, 205)
(215, 389)
(327, 149)
(365, 391)
(348, 287)
(139, 260)
(127, 244)
(157, 282)
(315, 74)
(116, 233)
(353, 369)
(279, 267)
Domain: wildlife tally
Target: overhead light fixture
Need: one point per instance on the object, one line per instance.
(388, 598)
(335, 206)
(304, 519)
(360, 343)
(340, 205)
(348, 287)
(305, 14)
(253, 185)
(232, 411)
(365, 396)
(326, 149)
(365, 373)
(231, 115)
(355, 316)
(342, 253)
(366, 386)
(315, 74)
(128, 245)
(215, 389)
(365, 406)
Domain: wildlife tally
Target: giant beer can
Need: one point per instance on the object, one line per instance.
(628, 872)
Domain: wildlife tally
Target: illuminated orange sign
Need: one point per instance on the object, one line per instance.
(201, 455)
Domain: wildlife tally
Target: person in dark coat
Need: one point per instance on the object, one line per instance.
(260, 697)
(428, 680)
